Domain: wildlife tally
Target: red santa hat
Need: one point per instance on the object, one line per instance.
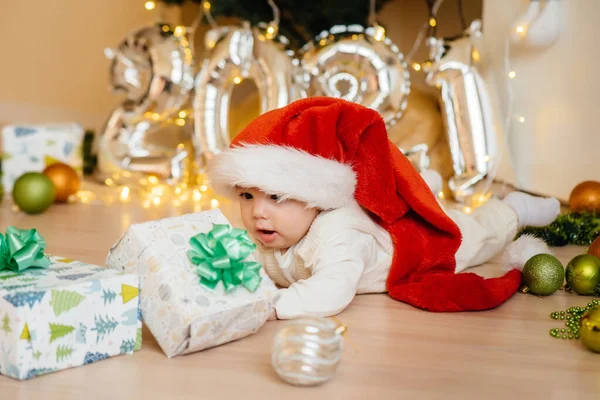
(328, 153)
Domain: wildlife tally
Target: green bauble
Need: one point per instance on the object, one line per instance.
(589, 329)
(543, 274)
(583, 274)
(33, 192)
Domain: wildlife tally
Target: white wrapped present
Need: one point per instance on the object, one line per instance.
(67, 315)
(27, 148)
(184, 314)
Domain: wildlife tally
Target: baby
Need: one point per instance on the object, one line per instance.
(336, 210)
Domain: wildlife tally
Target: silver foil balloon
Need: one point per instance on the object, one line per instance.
(307, 351)
(467, 111)
(418, 156)
(154, 67)
(143, 147)
(359, 65)
(237, 54)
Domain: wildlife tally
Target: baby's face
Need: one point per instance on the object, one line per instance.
(275, 224)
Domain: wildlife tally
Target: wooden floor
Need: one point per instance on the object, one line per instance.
(394, 350)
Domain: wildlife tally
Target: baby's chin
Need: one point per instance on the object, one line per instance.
(275, 246)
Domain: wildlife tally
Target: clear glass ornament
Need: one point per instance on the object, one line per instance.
(307, 351)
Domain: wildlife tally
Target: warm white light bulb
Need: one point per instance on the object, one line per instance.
(125, 194)
(540, 25)
(179, 31)
(379, 33)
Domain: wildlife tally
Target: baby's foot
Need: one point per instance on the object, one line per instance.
(533, 211)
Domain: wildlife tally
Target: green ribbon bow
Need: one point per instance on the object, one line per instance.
(21, 249)
(218, 256)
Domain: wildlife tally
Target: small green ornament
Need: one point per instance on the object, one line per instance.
(33, 192)
(583, 274)
(543, 274)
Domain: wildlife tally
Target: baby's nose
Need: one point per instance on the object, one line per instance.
(260, 209)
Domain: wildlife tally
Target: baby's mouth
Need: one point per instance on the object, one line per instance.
(266, 236)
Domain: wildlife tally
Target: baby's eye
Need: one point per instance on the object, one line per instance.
(274, 197)
(246, 195)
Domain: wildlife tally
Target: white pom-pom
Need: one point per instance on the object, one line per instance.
(518, 252)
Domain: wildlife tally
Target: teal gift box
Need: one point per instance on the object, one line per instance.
(66, 315)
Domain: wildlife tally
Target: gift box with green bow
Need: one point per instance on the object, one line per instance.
(200, 286)
(58, 313)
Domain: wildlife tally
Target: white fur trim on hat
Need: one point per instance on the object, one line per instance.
(284, 171)
(521, 250)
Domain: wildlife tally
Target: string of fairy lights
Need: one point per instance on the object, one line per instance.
(149, 192)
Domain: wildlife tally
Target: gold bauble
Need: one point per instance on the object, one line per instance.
(585, 197)
(589, 329)
(595, 248)
(65, 180)
(583, 274)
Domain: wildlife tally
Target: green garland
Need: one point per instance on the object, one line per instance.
(574, 228)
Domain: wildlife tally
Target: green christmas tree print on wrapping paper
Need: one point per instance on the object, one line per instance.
(109, 296)
(127, 346)
(62, 352)
(138, 340)
(8, 276)
(104, 326)
(25, 298)
(57, 331)
(6, 324)
(64, 300)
